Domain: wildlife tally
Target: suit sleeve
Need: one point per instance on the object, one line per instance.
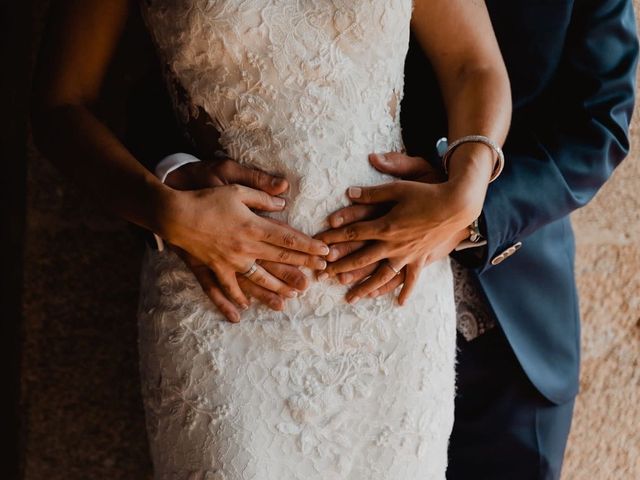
(559, 156)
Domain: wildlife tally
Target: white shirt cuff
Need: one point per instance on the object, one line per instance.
(167, 165)
(173, 162)
(463, 245)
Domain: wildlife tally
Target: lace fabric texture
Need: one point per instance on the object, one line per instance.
(323, 390)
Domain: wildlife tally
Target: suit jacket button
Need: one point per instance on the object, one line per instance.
(506, 254)
(498, 259)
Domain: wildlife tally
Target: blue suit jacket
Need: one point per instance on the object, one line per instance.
(572, 67)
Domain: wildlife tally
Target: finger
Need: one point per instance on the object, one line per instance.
(282, 235)
(258, 199)
(289, 257)
(262, 295)
(370, 230)
(229, 285)
(357, 275)
(410, 280)
(360, 259)
(290, 275)
(352, 213)
(264, 279)
(211, 288)
(388, 192)
(401, 165)
(340, 250)
(390, 286)
(232, 172)
(380, 277)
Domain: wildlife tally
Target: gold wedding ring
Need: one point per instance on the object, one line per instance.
(397, 272)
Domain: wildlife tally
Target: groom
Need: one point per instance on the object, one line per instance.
(572, 70)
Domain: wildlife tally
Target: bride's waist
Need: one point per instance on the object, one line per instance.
(315, 166)
(309, 203)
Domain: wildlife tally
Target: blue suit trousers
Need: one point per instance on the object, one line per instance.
(504, 428)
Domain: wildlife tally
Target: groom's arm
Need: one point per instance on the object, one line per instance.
(557, 163)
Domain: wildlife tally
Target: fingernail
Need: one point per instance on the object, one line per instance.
(374, 294)
(244, 306)
(337, 221)
(325, 250)
(276, 182)
(322, 265)
(280, 202)
(355, 192)
(346, 278)
(292, 294)
(380, 157)
(354, 300)
(323, 276)
(333, 254)
(234, 317)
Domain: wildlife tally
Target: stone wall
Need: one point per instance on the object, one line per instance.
(605, 438)
(82, 408)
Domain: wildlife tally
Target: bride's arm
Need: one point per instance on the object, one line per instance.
(458, 38)
(427, 221)
(216, 225)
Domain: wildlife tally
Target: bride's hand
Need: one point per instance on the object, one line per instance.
(424, 223)
(217, 227)
(209, 173)
(401, 166)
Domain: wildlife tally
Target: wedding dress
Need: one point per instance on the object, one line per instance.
(323, 390)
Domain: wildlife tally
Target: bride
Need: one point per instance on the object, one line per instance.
(332, 386)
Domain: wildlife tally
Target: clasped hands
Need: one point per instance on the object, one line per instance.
(382, 240)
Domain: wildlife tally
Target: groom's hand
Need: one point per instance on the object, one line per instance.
(352, 263)
(206, 174)
(406, 167)
(215, 173)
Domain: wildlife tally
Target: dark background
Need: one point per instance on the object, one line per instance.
(14, 82)
(69, 288)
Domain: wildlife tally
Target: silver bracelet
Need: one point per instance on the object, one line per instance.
(446, 150)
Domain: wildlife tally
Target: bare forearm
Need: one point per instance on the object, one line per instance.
(86, 151)
(478, 102)
(458, 38)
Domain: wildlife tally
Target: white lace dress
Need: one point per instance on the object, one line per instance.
(323, 390)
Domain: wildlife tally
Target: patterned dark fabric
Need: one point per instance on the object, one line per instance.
(474, 316)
